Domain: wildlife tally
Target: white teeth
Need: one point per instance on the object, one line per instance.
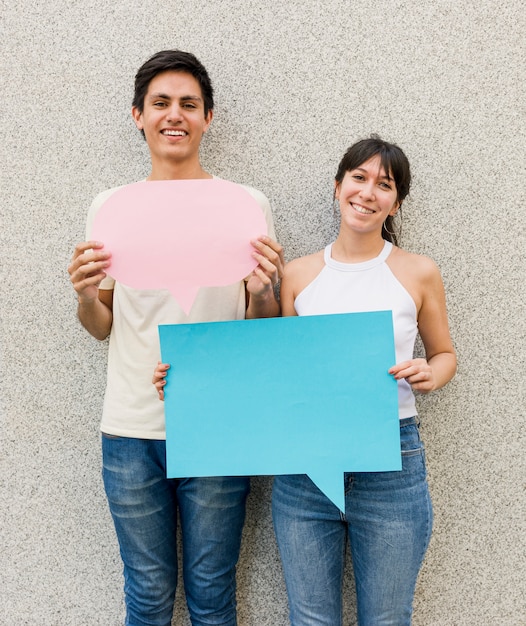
(174, 133)
(362, 209)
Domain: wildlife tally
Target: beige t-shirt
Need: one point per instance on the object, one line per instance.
(131, 404)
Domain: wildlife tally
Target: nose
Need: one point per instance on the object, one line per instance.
(174, 113)
(367, 191)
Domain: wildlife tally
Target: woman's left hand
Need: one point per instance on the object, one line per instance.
(417, 372)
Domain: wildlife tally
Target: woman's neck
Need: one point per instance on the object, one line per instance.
(351, 248)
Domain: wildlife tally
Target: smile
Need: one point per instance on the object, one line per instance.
(174, 133)
(361, 209)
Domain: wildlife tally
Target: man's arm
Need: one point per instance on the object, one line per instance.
(260, 286)
(95, 306)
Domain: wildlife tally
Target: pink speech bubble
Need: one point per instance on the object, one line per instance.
(180, 235)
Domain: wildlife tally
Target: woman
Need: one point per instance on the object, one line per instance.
(388, 515)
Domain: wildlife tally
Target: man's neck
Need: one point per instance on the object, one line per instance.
(177, 171)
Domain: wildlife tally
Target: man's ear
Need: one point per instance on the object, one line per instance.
(208, 119)
(137, 117)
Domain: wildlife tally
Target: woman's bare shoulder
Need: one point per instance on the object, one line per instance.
(418, 274)
(414, 265)
(302, 271)
(304, 263)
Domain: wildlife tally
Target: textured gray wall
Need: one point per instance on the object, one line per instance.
(296, 83)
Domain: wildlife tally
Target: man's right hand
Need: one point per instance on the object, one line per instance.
(87, 269)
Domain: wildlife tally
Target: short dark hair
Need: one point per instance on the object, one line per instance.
(394, 162)
(174, 61)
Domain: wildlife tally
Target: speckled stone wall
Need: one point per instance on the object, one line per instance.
(296, 83)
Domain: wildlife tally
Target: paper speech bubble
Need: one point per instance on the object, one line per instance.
(295, 395)
(180, 235)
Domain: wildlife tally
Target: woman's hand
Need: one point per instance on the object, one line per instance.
(418, 373)
(159, 378)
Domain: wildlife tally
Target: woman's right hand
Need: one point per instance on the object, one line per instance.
(159, 378)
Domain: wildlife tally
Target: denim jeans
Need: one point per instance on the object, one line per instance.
(144, 505)
(388, 519)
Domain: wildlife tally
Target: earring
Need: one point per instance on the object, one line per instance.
(384, 226)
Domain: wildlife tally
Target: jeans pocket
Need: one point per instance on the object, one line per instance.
(410, 442)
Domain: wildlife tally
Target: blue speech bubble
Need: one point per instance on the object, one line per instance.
(294, 395)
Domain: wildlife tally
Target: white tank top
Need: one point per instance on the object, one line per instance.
(363, 287)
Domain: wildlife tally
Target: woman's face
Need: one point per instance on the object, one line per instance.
(367, 196)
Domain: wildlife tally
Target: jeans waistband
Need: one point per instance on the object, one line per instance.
(407, 421)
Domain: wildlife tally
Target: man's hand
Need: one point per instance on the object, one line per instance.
(86, 270)
(269, 255)
(159, 378)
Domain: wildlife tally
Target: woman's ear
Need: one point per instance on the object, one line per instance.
(397, 206)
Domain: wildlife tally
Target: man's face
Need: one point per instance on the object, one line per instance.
(173, 118)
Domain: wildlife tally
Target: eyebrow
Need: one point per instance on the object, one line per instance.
(164, 96)
(386, 176)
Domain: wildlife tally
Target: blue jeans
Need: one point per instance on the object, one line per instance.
(388, 519)
(144, 505)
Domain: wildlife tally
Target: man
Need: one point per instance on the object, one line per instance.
(173, 108)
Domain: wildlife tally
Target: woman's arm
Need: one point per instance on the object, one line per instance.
(298, 274)
(440, 364)
(290, 284)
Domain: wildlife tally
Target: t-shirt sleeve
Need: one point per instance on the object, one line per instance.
(108, 282)
(265, 207)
